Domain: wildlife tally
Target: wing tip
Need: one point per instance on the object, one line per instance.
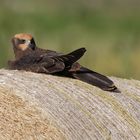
(83, 49)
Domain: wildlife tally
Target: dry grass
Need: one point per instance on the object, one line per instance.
(45, 106)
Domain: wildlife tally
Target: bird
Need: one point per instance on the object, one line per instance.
(29, 57)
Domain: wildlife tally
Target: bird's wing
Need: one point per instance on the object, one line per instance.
(56, 64)
(37, 63)
(71, 58)
(46, 64)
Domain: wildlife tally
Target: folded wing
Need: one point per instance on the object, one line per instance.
(47, 64)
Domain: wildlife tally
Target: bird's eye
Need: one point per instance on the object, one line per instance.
(22, 41)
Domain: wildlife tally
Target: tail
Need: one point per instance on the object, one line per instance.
(95, 79)
(72, 57)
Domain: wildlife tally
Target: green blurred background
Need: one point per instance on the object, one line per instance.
(109, 29)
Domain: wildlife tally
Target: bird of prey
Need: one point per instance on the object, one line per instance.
(29, 57)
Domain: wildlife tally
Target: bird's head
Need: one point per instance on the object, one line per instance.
(23, 44)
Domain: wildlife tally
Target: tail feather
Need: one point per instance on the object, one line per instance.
(95, 79)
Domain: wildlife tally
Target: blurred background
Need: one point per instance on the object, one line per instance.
(108, 29)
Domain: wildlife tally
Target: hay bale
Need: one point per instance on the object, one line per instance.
(37, 106)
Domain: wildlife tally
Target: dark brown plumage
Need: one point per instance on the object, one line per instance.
(31, 58)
